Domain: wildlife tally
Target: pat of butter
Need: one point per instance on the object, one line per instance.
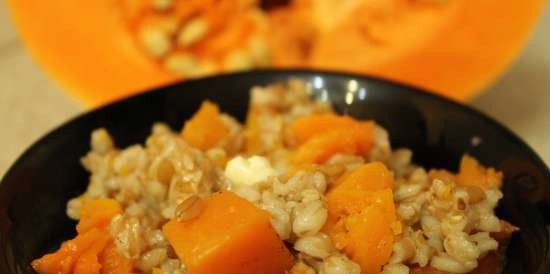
(248, 171)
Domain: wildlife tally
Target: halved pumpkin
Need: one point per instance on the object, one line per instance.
(453, 47)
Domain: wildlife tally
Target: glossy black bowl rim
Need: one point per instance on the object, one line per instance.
(403, 88)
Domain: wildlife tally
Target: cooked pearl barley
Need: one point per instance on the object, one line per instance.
(445, 262)
(489, 222)
(318, 246)
(101, 141)
(301, 268)
(423, 252)
(309, 219)
(188, 209)
(130, 159)
(403, 251)
(73, 208)
(395, 269)
(310, 195)
(399, 161)
(319, 182)
(152, 259)
(339, 264)
(405, 191)
(431, 226)
(280, 219)
(459, 246)
(484, 242)
(128, 236)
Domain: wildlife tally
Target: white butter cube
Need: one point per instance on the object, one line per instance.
(243, 171)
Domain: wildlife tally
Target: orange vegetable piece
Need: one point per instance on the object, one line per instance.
(97, 213)
(363, 135)
(88, 263)
(112, 262)
(348, 202)
(371, 239)
(205, 129)
(309, 126)
(362, 220)
(368, 177)
(64, 259)
(320, 148)
(230, 236)
(472, 173)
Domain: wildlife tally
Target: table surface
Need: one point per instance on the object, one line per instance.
(31, 105)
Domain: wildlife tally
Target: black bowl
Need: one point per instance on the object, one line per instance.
(35, 190)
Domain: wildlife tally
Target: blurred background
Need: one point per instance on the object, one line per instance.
(31, 104)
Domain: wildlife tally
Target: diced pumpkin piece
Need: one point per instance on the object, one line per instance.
(88, 263)
(64, 259)
(362, 220)
(368, 177)
(307, 127)
(205, 129)
(364, 137)
(310, 127)
(320, 148)
(97, 213)
(350, 202)
(230, 236)
(371, 239)
(112, 262)
(472, 173)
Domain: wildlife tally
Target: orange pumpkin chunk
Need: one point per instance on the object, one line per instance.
(229, 236)
(362, 220)
(64, 259)
(321, 136)
(205, 129)
(97, 213)
(309, 126)
(321, 147)
(371, 239)
(472, 173)
(88, 263)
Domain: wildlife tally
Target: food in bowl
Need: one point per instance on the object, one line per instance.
(297, 189)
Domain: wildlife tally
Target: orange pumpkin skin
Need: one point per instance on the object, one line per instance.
(455, 49)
